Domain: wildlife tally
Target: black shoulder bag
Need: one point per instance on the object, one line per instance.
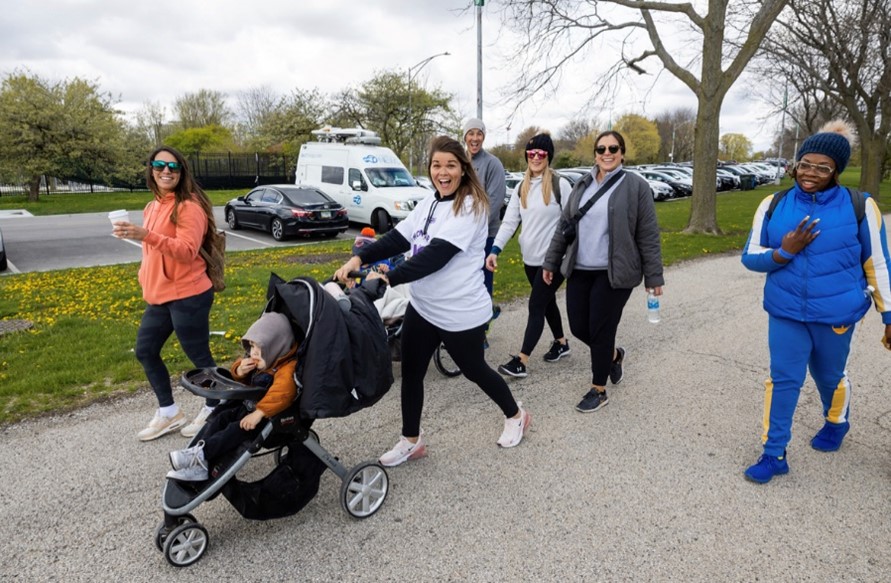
(569, 227)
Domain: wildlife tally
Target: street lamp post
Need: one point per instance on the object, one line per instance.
(411, 144)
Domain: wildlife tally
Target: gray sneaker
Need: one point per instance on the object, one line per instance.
(161, 425)
(189, 464)
(183, 458)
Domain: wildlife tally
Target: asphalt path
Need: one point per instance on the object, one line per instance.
(44, 243)
(650, 488)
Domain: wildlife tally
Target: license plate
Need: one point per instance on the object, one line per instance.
(325, 214)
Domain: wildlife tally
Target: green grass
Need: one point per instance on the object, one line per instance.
(80, 349)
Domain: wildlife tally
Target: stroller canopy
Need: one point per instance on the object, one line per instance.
(343, 362)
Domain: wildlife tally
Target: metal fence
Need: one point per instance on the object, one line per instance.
(212, 170)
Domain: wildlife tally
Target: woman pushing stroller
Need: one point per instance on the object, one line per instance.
(446, 234)
(269, 362)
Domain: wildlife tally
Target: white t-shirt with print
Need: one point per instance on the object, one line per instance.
(453, 298)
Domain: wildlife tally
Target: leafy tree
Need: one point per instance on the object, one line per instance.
(584, 149)
(729, 33)
(202, 108)
(736, 147)
(381, 105)
(64, 129)
(642, 141)
(290, 123)
(204, 139)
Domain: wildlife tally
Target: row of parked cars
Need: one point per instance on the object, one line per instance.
(669, 181)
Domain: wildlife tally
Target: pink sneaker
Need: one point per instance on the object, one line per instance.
(515, 429)
(403, 451)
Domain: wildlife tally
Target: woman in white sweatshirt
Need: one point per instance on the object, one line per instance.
(537, 203)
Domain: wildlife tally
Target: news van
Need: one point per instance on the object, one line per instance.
(369, 180)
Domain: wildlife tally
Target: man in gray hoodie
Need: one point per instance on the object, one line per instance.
(490, 171)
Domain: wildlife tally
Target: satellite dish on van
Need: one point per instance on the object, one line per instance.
(347, 135)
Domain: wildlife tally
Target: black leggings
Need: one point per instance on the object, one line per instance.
(419, 341)
(594, 310)
(542, 305)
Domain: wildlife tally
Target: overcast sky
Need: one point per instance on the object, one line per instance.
(161, 49)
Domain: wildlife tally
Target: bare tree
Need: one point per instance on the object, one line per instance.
(571, 133)
(557, 32)
(841, 50)
(676, 129)
(253, 107)
(150, 121)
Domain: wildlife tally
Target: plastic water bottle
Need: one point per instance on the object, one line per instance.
(653, 308)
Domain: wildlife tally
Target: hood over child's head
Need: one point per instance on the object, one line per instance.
(272, 334)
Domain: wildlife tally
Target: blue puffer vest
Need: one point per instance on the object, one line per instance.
(825, 282)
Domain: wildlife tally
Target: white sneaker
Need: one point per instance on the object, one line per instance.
(403, 451)
(192, 429)
(189, 464)
(515, 429)
(161, 425)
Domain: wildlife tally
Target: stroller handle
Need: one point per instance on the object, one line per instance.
(217, 383)
(351, 275)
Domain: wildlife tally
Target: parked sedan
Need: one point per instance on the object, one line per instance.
(286, 210)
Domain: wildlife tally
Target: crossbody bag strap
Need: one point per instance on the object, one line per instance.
(604, 188)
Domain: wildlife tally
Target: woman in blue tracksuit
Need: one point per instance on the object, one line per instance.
(824, 267)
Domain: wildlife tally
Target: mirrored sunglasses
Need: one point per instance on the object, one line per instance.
(536, 154)
(159, 165)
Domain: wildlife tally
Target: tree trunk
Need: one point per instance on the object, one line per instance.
(872, 155)
(703, 215)
(34, 189)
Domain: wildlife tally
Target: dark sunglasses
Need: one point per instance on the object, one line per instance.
(602, 149)
(159, 165)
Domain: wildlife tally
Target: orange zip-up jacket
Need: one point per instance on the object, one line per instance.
(172, 268)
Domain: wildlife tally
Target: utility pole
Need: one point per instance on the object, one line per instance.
(782, 132)
(479, 57)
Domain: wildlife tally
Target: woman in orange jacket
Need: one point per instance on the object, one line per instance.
(174, 281)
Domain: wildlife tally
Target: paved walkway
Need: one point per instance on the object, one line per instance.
(648, 489)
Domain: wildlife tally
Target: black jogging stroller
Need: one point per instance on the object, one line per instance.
(343, 365)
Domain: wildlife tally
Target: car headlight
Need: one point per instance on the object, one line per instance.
(405, 205)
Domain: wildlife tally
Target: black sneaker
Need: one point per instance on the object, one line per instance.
(615, 369)
(557, 351)
(592, 401)
(514, 367)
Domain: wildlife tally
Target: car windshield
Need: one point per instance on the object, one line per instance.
(305, 196)
(388, 177)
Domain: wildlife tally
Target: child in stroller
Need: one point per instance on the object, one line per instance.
(269, 362)
(342, 366)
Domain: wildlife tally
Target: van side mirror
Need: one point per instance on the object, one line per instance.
(357, 185)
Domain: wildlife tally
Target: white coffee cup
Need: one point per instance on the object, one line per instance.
(119, 215)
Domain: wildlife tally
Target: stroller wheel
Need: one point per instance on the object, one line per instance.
(162, 532)
(444, 362)
(364, 490)
(186, 544)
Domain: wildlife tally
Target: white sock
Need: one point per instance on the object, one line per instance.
(169, 411)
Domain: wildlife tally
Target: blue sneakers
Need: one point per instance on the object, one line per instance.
(766, 468)
(830, 437)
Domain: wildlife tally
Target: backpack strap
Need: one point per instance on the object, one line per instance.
(777, 197)
(555, 183)
(858, 199)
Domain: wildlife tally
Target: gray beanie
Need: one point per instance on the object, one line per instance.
(474, 124)
(273, 334)
(833, 140)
